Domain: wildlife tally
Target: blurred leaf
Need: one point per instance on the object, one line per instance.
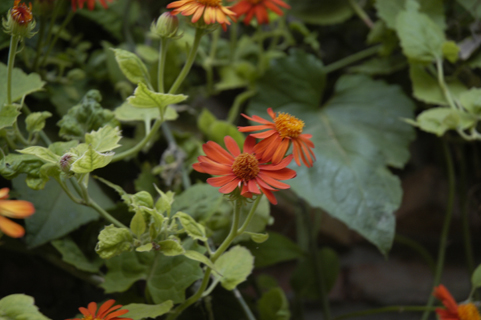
(381, 65)
(216, 130)
(451, 51)
(41, 153)
(126, 112)
(388, 11)
(274, 250)
(171, 248)
(439, 120)
(35, 121)
(353, 143)
(139, 311)
(19, 307)
(471, 101)
(258, 237)
(132, 67)
(8, 116)
(322, 12)
(235, 266)
(200, 201)
(471, 6)
(137, 224)
(125, 269)
(22, 84)
(273, 305)
(72, 254)
(476, 278)
(197, 256)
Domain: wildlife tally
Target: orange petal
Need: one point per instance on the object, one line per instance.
(16, 208)
(216, 152)
(229, 187)
(249, 144)
(220, 181)
(270, 196)
(4, 193)
(215, 169)
(232, 146)
(104, 308)
(11, 228)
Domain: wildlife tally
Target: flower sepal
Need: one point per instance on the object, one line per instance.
(167, 26)
(19, 22)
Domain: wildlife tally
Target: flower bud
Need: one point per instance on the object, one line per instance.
(167, 26)
(19, 20)
(66, 161)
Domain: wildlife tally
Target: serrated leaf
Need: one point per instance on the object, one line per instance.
(105, 139)
(145, 98)
(72, 254)
(476, 278)
(22, 84)
(258, 237)
(19, 307)
(322, 12)
(35, 122)
(353, 144)
(127, 113)
(194, 230)
(235, 266)
(137, 224)
(42, 153)
(132, 67)
(8, 116)
(171, 248)
(138, 311)
(91, 160)
(440, 120)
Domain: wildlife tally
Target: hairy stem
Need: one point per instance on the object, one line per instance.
(11, 61)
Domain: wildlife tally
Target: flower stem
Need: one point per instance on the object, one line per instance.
(245, 307)
(190, 61)
(57, 35)
(164, 45)
(239, 100)
(91, 203)
(397, 309)
(418, 248)
(445, 230)
(11, 61)
(361, 13)
(351, 59)
(210, 60)
(249, 216)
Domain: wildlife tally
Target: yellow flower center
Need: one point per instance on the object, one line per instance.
(246, 166)
(468, 311)
(288, 126)
(210, 3)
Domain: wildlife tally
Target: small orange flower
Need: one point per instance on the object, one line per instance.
(17, 209)
(90, 4)
(453, 311)
(279, 134)
(212, 10)
(105, 312)
(246, 170)
(249, 8)
(21, 13)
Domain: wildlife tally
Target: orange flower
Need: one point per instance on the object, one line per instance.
(279, 134)
(453, 311)
(17, 209)
(21, 13)
(249, 8)
(246, 170)
(90, 4)
(105, 312)
(212, 10)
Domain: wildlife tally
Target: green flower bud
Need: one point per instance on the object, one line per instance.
(166, 26)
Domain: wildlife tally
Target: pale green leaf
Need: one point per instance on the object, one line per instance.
(200, 200)
(235, 266)
(440, 120)
(258, 237)
(132, 67)
(91, 160)
(105, 139)
(138, 311)
(322, 12)
(35, 121)
(137, 224)
(451, 51)
(19, 307)
(171, 248)
(8, 115)
(114, 241)
(127, 113)
(144, 248)
(72, 254)
(471, 101)
(22, 84)
(42, 153)
(145, 98)
(388, 10)
(197, 256)
(476, 278)
(273, 305)
(194, 230)
(147, 53)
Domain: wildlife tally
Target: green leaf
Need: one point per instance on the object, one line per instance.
(114, 241)
(258, 237)
(276, 249)
(126, 113)
(17, 164)
(147, 53)
(205, 120)
(137, 224)
(381, 65)
(35, 122)
(197, 256)
(235, 266)
(471, 6)
(322, 12)
(105, 139)
(194, 230)
(144, 248)
(138, 311)
(353, 143)
(476, 278)
(471, 101)
(22, 84)
(200, 201)
(388, 10)
(60, 148)
(440, 120)
(421, 39)
(55, 214)
(171, 248)
(426, 87)
(19, 307)
(273, 305)
(91, 160)
(145, 98)
(132, 67)
(72, 254)
(451, 51)
(42, 153)
(8, 116)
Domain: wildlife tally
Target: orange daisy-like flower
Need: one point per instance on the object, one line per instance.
(280, 133)
(90, 4)
(17, 209)
(453, 311)
(212, 10)
(21, 13)
(105, 312)
(259, 8)
(246, 170)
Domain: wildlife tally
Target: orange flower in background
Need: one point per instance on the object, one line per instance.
(17, 209)
(246, 170)
(284, 130)
(212, 10)
(453, 311)
(259, 8)
(90, 4)
(21, 13)
(105, 312)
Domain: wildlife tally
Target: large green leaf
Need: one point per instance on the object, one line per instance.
(388, 10)
(323, 12)
(55, 214)
(72, 254)
(22, 84)
(19, 307)
(357, 134)
(139, 311)
(234, 266)
(8, 116)
(472, 6)
(273, 305)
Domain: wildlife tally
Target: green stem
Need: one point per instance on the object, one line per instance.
(260, 41)
(445, 230)
(239, 100)
(56, 11)
(68, 192)
(351, 59)
(19, 134)
(361, 13)
(233, 41)
(250, 215)
(232, 233)
(397, 309)
(243, 304)
(164, 43)
(190, 61)
(91, 203)
(442, 83)
(418, 248)
(57, 35)
(11, 61)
